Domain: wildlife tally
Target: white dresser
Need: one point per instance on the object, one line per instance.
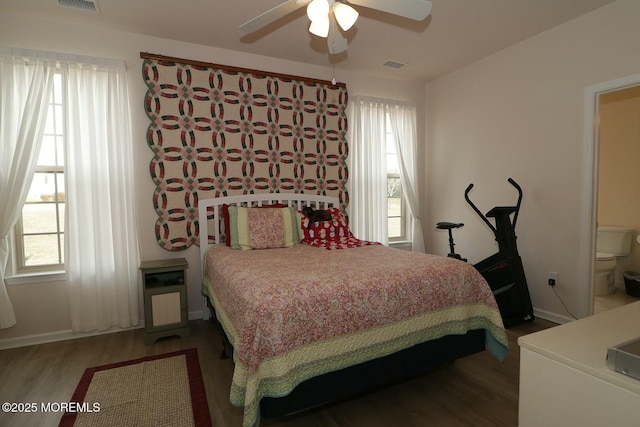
(564, 379)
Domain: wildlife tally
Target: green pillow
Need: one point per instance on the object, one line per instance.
(263, 228)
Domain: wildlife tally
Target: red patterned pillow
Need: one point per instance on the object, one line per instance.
(335, 229)
(334, 234)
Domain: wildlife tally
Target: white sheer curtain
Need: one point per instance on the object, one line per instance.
(403, 125)
(368, 169)
(101, 251)
(26, 82)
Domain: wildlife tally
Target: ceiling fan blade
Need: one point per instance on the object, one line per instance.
(270, 16)
(412, 9)
(336, 41)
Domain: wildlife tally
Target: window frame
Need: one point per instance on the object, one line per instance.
(404, 216)
(57, 114)
(403, 212)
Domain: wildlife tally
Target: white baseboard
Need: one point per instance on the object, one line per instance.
(195, 315)
(49, 337)
(65, 335)
(552, 317)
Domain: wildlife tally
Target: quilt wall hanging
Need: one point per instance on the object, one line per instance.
(218, 131)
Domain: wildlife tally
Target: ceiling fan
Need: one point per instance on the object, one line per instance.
(329, 17)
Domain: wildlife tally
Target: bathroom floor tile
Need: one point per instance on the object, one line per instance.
(613, 300)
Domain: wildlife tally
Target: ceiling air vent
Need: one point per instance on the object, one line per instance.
(90, 5)
(394, 64)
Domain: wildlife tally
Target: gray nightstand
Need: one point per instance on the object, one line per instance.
(165, 298)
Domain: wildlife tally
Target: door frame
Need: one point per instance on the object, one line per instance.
(590, 181)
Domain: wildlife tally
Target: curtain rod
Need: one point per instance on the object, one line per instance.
(147, 55)
(61, 56)
(386, 101)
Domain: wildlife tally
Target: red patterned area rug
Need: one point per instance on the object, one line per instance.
(163, 390)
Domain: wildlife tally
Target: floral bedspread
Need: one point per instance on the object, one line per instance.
(294, 313)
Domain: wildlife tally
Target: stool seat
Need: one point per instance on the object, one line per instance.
(448, 225)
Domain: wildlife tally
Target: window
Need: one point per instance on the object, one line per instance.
(396, 210)
(40, 230)
(391, 214)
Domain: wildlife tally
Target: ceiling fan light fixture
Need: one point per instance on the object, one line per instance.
(329, 17)
(320, 27)
(345, 15)
(318, 9)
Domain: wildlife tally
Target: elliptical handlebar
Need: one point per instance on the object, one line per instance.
(515, 215)
(475, 208)
(480, 214)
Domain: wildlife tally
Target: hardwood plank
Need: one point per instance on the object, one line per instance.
(477, 390)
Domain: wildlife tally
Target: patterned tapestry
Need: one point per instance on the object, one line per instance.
(219, 131)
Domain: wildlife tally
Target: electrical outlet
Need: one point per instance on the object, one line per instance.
(553, 278)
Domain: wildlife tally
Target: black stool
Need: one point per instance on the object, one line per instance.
(449, 226)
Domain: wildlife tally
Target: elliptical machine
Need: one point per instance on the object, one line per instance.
(503, 270)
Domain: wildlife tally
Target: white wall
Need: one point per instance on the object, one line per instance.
(43, 308)
(519, 114)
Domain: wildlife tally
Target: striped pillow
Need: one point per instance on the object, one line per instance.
(263, 228)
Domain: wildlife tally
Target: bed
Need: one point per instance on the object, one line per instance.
(333, 316)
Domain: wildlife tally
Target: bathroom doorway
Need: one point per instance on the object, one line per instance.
(615, 139)
(618, 154)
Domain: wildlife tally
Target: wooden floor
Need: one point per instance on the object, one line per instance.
(475, 391)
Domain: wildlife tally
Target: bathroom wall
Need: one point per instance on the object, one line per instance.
(619, 164)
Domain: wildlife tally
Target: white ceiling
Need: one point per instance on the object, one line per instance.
(456, 33)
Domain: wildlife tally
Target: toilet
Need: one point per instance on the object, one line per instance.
(612, 243)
